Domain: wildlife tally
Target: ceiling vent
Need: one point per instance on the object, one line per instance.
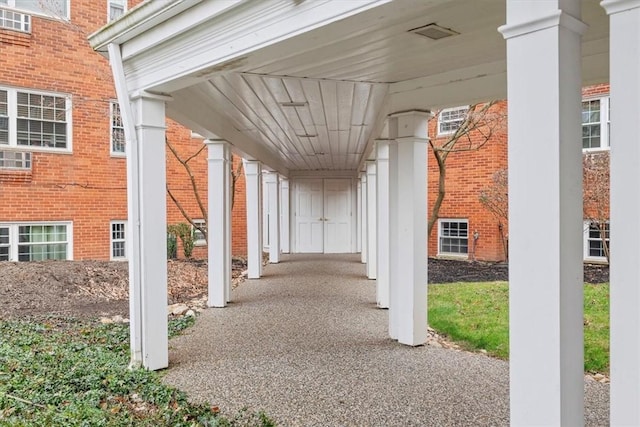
(293, 104)
(434, 32)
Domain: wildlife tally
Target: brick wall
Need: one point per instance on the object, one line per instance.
(88, 185)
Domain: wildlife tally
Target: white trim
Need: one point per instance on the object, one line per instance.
(14, 231)
(41, 12)
(117, 3)
(440, 236)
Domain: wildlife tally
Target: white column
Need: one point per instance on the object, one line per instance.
(219, 223)
(382, 229)
(358, 215)
(625, 210)
(410, 215)
(363, 218)
(253, 179)
(271, 181)
(284, 215)
(545, 212)
(372, 206)
(394, 243)
(147, 204)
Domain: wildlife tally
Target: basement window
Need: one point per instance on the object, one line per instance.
(453, 237)
(118, 240)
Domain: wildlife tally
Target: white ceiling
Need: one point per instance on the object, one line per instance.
(346, 74)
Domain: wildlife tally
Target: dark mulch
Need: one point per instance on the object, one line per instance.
(452, 271)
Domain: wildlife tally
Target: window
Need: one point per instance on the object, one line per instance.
(453, 237)
(35, 241)
(36, 120)
(54, 8)
(198, 236)
(450, 119)
(116, 9)
(593, 243)
(14, 20)
(118, 240)
(117, 130)
(595, 124)
(15, 160)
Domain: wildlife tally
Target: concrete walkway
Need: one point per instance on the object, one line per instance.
(307, 345)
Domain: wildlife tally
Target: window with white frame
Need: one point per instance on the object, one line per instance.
(450, 119)
(198, 236)
(54, 8)
(595, 236)
(14, 20)
(117, 130)
(453, 237)
(33, 119)
(36, 241)
(116, 9)
(595, 124)
(118, 240)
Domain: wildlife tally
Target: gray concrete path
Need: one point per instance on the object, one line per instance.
(307, 345)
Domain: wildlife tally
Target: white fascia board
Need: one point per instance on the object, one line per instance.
(223, 42)
(136, 21)
(190, 108)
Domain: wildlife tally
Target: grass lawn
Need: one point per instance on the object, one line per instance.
(476, 315)
(66, 372)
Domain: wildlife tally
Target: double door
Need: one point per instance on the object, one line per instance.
(323, 215)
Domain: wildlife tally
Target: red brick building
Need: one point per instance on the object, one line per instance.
(62, 161)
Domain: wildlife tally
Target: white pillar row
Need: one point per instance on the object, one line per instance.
(363, 217)
(273, 200)
(394, 242)
(409, 284)
(372, 206)
(625, 210)
(284, 215)
(253, 180)
(146, 184)
(545, 187)
(219, 222)
(382, 227)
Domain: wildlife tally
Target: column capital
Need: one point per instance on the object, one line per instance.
(213, 141)
(271, 177)
(617, 6)
(252, 167)
(382, 149)
(558, 18)
(218, 150)
(412, 123)
(149, 95)
(371, 167)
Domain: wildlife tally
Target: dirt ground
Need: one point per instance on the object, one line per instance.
(100, 288)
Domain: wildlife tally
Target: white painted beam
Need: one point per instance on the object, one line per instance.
(273, 193)
(382, 229)
(253, 183)
(625, 210)
(372, 207)
(219, 222)
(284, 215)
(409, 283)
(545, 187)
(363, 225)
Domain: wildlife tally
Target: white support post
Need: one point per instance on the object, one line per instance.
(625, 210)
(363, 218)
(382, 229)
(394, 243)
(409, 129)
(271, 181)
(284, 215)
(219, 223)
(358, 215)
(372, 207)
(253, 179)
(148, 225)
(545, 187)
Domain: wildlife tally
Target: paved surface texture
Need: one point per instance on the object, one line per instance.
(307, 345)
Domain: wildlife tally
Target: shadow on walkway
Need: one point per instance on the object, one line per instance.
(306, 345)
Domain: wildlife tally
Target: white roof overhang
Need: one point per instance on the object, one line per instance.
(306, 84)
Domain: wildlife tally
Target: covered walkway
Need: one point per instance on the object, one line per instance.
(307, 345)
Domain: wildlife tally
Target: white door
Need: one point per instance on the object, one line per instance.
(309, 216)
(323, 216)
(337, 216)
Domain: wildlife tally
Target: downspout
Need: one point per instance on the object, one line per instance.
(133, 204)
